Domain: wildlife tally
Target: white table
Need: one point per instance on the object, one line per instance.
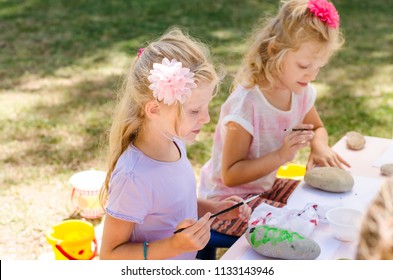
(367, 182)
(362, 161)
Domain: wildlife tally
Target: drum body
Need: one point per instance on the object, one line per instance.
(86, 186)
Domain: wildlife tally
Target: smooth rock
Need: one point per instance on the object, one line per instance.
(331, 179)
(355, 140)
(282, 244)
(387, 169)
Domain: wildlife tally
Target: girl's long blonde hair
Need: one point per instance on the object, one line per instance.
(376, 232)
(129, 116)
(293, 25)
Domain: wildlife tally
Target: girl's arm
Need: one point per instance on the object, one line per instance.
(238, 169)
(321, 154)
(116, 244)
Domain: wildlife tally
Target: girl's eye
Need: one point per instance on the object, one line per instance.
(194, 112)
(303, 67)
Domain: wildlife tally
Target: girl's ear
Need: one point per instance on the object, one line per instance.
(152, 109)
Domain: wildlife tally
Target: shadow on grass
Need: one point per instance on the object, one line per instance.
(42, 36)
(39, 37)
(83, 114)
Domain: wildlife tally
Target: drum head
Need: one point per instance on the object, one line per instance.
(90, 180)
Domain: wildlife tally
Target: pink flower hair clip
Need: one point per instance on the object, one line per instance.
(325, 11)
(170, 82)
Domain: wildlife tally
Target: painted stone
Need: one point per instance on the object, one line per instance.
(281, 244)
(355, 140)
(331, 179)
(387, 169)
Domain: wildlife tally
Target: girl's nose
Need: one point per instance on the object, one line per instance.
(313, 74)
(205, 118)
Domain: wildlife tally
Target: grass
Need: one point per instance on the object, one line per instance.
(62, 62)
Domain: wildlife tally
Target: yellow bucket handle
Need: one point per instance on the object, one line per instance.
(68, 256)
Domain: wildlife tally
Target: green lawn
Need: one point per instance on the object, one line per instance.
(62, 61)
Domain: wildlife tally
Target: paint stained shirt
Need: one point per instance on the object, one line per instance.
(250, 109)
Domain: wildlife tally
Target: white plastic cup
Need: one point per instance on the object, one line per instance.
(344, 223)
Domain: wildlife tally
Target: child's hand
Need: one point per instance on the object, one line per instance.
(296, 140)
(243, 212)
(325, 156)
(195, 235)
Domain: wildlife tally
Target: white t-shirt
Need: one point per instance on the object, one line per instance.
(250, 109)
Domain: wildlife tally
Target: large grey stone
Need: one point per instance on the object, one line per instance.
(355, 140)
(282, 244)
(331, 179)
(387, 169)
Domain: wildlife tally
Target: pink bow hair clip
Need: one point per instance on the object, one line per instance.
(325, 11)
(140, 51)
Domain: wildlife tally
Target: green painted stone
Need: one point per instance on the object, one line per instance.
(282, 244)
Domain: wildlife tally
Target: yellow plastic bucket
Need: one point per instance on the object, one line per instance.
(291, 171)
(73, 240)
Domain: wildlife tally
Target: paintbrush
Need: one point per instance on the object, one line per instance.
(228, 209)
(298, 129)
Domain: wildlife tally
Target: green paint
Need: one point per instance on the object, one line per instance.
(273, 235)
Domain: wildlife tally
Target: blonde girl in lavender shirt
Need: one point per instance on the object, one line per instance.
(150, 188)
(273, 92)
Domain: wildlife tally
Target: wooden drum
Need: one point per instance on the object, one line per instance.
(86, 186)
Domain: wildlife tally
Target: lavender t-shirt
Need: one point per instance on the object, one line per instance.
(154, 195)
